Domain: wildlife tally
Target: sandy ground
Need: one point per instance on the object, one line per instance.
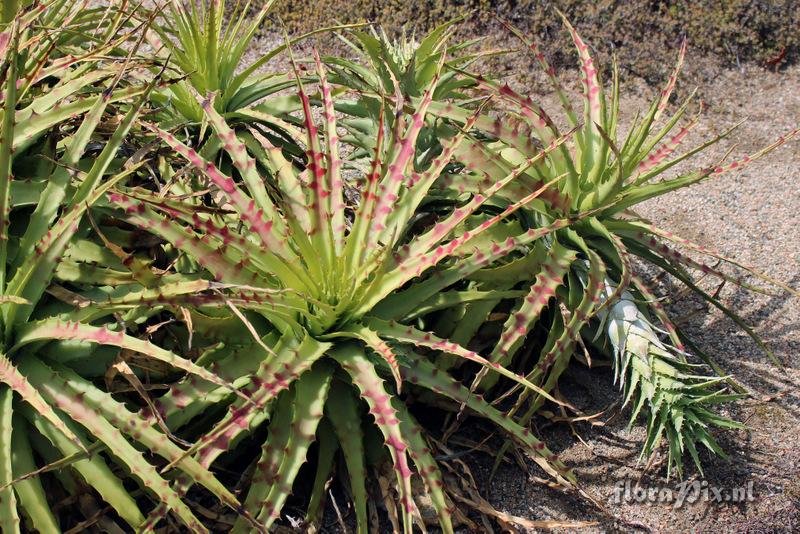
(752, 215)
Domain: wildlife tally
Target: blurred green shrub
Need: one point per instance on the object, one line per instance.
(645, 32)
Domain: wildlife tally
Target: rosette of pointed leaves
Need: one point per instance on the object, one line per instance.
(402, 66)
(206, 42)
(54, 116)
(321, 288)
(651, 372)
(599, 172)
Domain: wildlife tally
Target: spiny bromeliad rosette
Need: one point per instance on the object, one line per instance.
(320, 273)
(582, 283)
(207, 43)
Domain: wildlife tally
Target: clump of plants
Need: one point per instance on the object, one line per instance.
(218, 309)
(582, 280)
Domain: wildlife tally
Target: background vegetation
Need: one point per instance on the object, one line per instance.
(643, 33)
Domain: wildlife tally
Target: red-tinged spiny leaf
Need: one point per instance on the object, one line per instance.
(409, 334)
(18, 383)
(372, 388)
(519, 323)
(54, 388)
(57, 329)
(311, 391)
(255, 218)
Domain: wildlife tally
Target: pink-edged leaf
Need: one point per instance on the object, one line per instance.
(673, 255)
(658, 310)
(493, 167)
(275, 374)
(409, 334)
(320, 202)
(425, 374)
(420, 453)
(667, 91)
(423, 243)
(372, 388)
(254, 218)
(272, 451)
(139, 214)
(56, 389)
(142, 431)
(418, 185)
(18, 383)
(334, 174)
(645, 228)
(519, 323)
(747, 160)
(311, 392)
(556, 359)
(534, 113)
(403, 151)
(548, 70)
(57, 329)
(510, 130)
(414, 266)
(373, 341)
(592, 92)
(663, 152)
(402, 302)
(245, 164)
(356, 241)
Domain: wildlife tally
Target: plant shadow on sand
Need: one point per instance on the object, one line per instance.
(607, 454)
